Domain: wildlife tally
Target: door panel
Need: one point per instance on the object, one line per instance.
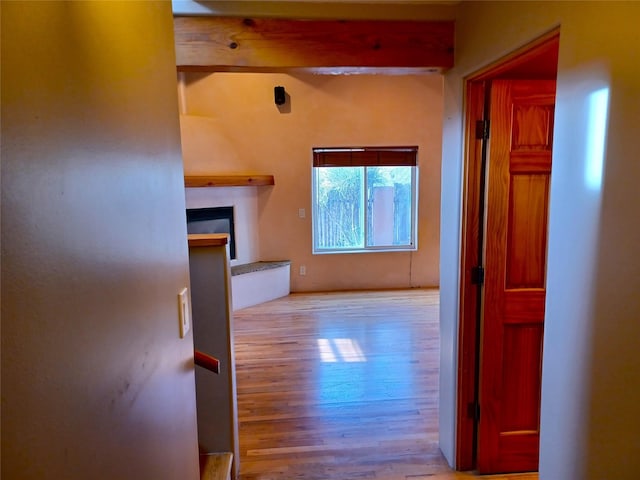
(519, 168)
(522, 344)
(527, 235)
(532, 127)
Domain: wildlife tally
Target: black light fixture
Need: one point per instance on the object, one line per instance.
(279, 95)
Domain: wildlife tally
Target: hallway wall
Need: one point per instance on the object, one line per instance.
(591, 371)
(96, 382)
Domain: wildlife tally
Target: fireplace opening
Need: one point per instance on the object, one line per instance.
(213, 220)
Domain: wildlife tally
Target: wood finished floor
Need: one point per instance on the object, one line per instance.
(341, 386)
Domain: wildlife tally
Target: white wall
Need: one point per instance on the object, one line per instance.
(591, 373)
(96, 382)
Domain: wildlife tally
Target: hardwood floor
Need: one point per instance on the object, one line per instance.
(341, 386)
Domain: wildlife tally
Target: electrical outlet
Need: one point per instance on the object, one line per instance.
(302, 213)
(183, 312)
(303, 270)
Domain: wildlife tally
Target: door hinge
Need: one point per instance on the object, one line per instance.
(474, 411)
(482, 130)
(477, 275)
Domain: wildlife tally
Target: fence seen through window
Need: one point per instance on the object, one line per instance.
(364, 199)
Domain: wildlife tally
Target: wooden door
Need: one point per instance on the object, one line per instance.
(519, 168)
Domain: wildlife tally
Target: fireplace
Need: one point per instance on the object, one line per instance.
(213, 220)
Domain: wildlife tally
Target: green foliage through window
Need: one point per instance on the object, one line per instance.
(364, 208)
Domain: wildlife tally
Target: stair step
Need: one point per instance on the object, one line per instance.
(216, 466)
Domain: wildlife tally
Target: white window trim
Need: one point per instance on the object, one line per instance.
(413, 246)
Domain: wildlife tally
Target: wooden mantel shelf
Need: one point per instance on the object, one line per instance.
(228, 180)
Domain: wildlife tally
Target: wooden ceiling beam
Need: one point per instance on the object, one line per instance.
(212, 44)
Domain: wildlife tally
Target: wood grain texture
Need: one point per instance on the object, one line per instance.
(216, 466)
(532, 126)
(527, 237)
(341, 386)
(517, 212)
(538, 59)
(228, 180)
(207, 239)
(228, 43)
(469, 292)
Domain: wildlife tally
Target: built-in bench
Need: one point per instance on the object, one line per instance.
(258, 282)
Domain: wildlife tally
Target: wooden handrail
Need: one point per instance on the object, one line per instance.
(206, 361)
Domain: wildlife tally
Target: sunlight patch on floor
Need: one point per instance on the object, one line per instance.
(340, 350)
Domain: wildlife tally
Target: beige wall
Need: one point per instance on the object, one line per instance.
(95, 380)
(230, 124)
(591, 371)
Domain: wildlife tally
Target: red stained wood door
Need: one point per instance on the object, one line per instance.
(519, 168)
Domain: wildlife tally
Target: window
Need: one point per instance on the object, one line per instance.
(364, 199)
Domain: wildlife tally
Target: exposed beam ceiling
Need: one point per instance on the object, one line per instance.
(209, 43)
(320, 8)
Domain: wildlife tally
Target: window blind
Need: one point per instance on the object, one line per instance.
(366, 157)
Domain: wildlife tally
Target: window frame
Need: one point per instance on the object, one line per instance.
(404, 156)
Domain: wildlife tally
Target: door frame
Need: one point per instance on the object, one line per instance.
(521, 63)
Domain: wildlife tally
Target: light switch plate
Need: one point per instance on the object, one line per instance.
(183, 312)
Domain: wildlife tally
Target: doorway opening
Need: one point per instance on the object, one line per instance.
(342, 352)
(536, 61)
